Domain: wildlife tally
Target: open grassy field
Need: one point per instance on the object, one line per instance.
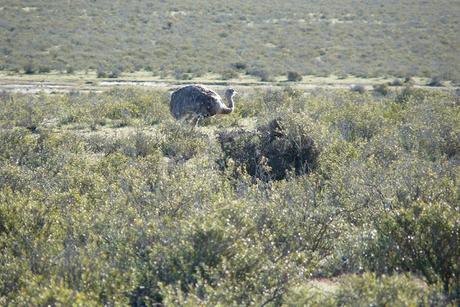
(323, 197)
(190, 38)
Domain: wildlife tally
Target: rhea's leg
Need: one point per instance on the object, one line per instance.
(198, 118)
(194, 121)
(188, 118)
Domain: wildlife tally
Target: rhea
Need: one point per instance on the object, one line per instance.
(196, 102)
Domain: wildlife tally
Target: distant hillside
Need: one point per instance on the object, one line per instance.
(190, 37)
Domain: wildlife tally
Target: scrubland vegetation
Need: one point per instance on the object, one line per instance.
(189, 38)
(297, 198)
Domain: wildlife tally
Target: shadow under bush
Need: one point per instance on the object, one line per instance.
(273, 150)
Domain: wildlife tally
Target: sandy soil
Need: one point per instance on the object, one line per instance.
(83, 83)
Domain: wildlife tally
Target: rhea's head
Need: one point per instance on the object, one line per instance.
(230, 92)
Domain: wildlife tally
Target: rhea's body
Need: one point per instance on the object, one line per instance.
(199, 102)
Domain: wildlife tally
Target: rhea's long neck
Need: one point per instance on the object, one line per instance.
(230, 103)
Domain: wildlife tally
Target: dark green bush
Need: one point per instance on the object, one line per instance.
(275, 149)
(294, 76)
(29, 68)
(381, 89)
(240, 66)
(435, 81)
(396, 82)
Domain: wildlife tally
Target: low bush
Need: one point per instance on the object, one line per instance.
(358, 88)
(409, 81)
(240, 66)
(230, 74)
(22, 111)
(114, 73)
(264, 75)
(271, 152)
(409, 93)
(29, 69)
(180, 75)
(382, 89)
(44, 69)
(366, 290)
(421, 238)
(69, 70)
(396, 82)
(181, 143)
(101, 72)
(435, 81)
(294, 76)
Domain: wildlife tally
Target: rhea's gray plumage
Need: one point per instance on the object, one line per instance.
(199, 102)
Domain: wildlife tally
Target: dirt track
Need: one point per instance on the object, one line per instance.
(65, 87)
(32, 86)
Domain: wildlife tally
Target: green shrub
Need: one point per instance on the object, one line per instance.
(422, 238)
(264, 75)
(101, 72)
(358, 88)
(278, 101)
(181, 143)
(356, 122)
(29, 69)
(21, 111)
(395, 290)
(365, 290)
(435, 81)
(180, 75)
(240, 66)
(294, 76)
(44, 69)
(114, 73)
(69, 70)
(396, 82)
(134, 144)
(275, 149)
(230, 74)
(409, 81)
(52, 293)
(241, 253)
(409, 93)
(381, 89)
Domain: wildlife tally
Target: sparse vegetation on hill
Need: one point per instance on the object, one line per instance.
(378, 38)
(106, 200)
